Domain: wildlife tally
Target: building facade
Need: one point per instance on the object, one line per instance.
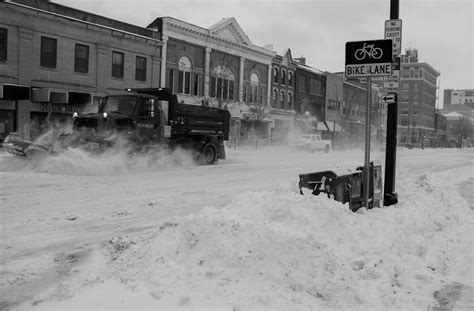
(283, 97)
(57, 60)
(219, 66)
(417, 100)
(310, 97)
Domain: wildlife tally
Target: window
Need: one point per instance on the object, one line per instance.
(170, 82)
(290, 78)
(196, 84)
(140, 68)
(254, 87)
(275, 98)
(3, 44)
(184, 75)
(222, 83)
(315, 86)
(282, 99)
(81, 58)
(289, 101)
(48, 52)
(117, 64)
(301, 84)
(283, 76)
(275, 75)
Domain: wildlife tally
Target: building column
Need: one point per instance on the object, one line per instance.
(207, 70)
(269, 85)
(164, 49)
(241, 79)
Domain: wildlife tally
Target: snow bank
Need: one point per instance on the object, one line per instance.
(280, 250)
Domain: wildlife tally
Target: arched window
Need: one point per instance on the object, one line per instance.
(184, 75)
(283, 76)
(275, 75)
(254, 87)
(222, 83)
(275, 98)
(289, 101)
(290, 78)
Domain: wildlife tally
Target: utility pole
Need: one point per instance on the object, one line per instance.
(390, 196)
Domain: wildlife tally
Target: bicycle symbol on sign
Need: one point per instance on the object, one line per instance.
(368, 50)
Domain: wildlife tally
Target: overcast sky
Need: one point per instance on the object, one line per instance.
(441, 30)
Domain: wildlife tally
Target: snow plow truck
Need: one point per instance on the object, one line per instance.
(145, 119)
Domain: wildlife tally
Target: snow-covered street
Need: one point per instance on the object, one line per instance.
(120, 232)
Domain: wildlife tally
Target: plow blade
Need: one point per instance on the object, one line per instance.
(15, 145)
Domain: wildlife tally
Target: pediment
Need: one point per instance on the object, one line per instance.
(229, 29)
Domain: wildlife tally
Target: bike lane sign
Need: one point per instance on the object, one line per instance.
(369, 58)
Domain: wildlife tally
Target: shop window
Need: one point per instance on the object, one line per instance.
(140, 68)
(48, 52)
(117, 64)
(3, 44)
(81, 58)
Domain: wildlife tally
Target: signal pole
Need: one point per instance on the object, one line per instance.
(390, 196)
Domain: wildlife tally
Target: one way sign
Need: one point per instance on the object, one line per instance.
(390, 98)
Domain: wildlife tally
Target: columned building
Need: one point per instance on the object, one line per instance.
(56, 60)
(218, 66)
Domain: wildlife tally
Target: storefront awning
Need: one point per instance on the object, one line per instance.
(321, 126)
(14, 92)
(49, 96)
(78, 98)
(333, 126)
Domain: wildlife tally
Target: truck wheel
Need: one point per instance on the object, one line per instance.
(208, 155)
(326, 149)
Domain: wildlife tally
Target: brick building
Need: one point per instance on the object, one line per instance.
(58, 60)
(283, 97)
(417, 100)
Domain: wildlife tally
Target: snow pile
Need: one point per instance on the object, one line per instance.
(280, 250)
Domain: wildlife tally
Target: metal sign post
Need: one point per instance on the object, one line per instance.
(367, 145)
(390, 196)
(368, 59)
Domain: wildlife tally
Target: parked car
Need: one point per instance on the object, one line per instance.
(311, 143)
